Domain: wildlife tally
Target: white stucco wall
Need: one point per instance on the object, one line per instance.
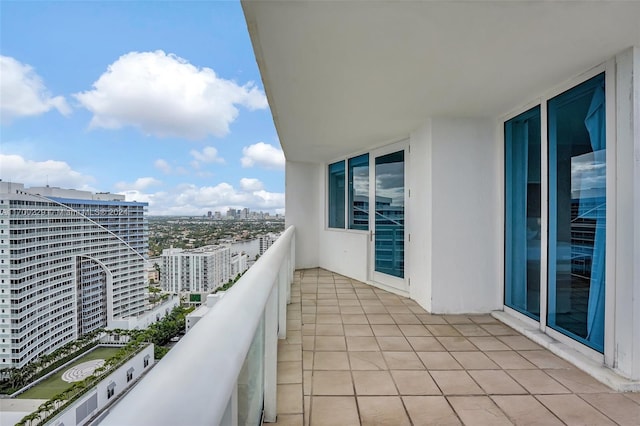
(626, 325)
(463, 235)
(345, 252)
(304, 204)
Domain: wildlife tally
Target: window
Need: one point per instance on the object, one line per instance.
(336, 195)
(577, 212)
(129, 375)
(359, 192)
(522, 213)
(145, 362)
(111, 390)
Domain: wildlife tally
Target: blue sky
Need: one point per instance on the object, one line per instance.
(160, 101)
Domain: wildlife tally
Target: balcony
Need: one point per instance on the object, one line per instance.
(352, 354)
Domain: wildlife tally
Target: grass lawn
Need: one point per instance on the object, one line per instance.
(52, 386)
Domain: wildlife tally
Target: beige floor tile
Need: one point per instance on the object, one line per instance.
(309, 329)
(374, 309)
(346, 300)
(425, 344)
(478, 410)
(426, 318)
(289, 420)
(470, 330)
(330, 343)
(578, 381)
(308, 343)
(545, 359)
(398, 309)
(331, 383)
(402, 360)
(634, 396)
(354, 319)
(496, 382)
(442, 330)
(329, 330)
(330, 361)
(289, 399)
(382, 410)
(405, 319)
(488, 343)
(386, 330)
(290, 353)
(455, 383)
(616, 406)
(417, 330)
(510, 360)
(289, 372)
(394, 343)
(328, 319)
(439, 361)
(374, 383)
(307, 380)
(353, 310)
(526, 410)
(309, 309)
(457, 343)
(415, 382)
(573, 410)
(294, 337)
(537, 382)
(499, 330)
(307, 360)
(519, 343)
(474, 361)
(294, 324)
(457, 319)
(367, 361)
(362, 343)
(430, 410)
(334, 411)
(330, 309)
(380, 319)
(357, 330)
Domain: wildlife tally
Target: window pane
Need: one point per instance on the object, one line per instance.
(389, 233)
(336, 195)
(577, 205)
(359, 192)
(522, 213)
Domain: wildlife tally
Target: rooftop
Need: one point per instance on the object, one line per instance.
(355, 354)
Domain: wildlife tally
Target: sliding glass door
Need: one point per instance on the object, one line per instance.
(576, 205)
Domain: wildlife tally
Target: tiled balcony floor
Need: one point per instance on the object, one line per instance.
(355, 355)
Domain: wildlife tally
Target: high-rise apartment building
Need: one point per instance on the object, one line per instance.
(70, 262)
(197, 270)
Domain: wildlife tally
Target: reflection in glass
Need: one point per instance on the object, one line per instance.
(359, 192)
(389, 210)
(522, 213)
(336, 195)
(577, 212)
(251, 381)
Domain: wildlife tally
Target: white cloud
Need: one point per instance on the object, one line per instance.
(262, 155)
(189, 199)
(163, 166)
(250, 184)
(164, 95)
(23, 93)
(208, 155)
(40, 173)
(139, 185)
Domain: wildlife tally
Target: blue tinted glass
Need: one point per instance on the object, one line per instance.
(389, 209)
(522, 213)
(359, 192)
(336, 195)
(577, 212)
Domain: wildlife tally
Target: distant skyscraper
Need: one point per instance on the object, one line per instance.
(71, 262)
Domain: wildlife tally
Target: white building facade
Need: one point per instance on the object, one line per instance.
(199, 270)
(70, 262)
(504, 139)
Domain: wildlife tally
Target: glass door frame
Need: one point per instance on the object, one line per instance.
(394, 283)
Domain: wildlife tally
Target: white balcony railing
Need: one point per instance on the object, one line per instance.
(223, 371)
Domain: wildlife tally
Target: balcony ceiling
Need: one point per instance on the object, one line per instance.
(342, 76)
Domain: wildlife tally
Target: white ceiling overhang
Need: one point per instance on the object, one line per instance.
(342, 76)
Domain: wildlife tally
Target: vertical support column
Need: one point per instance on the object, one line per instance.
(271, 355)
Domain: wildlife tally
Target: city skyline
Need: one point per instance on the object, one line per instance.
(159, 101)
